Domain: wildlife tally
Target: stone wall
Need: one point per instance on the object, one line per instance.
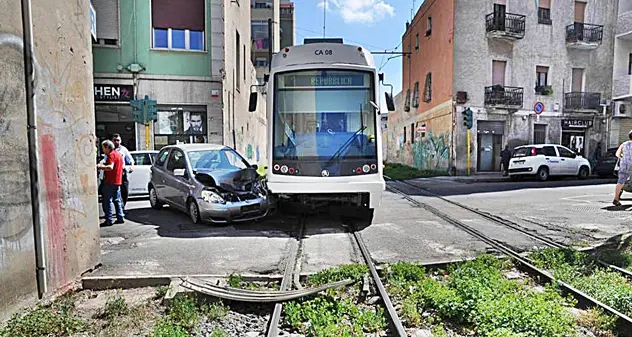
(65, 125)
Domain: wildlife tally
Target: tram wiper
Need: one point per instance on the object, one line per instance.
(344, 146)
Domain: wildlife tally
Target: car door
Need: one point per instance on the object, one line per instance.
(158, 173)
(175, 191)
(139, 178)
(552, 160)
(569, 161)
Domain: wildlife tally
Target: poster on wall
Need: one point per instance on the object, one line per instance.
(194, 123)
(577, 144)
(167, 122)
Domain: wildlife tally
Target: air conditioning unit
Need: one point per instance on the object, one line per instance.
(622, 109)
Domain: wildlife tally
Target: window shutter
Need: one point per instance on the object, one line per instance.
(178, 14)
(545, 4)
(107, 19)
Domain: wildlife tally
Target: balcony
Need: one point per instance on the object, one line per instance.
(584, 36)
(582, 101)
(506, 27)
(504, 97)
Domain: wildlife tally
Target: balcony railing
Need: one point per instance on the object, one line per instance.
(584, 33)
(582, 101)
(498, 95)
(511, 25)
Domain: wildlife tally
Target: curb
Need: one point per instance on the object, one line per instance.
(129, 282)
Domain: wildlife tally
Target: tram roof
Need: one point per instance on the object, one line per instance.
(326, 53)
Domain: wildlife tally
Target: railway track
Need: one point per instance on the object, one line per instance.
(511, 225)
(624, 322)
(290, 277)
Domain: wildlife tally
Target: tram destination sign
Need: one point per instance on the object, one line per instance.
(325, 81)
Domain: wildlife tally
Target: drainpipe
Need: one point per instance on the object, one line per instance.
(31, 118)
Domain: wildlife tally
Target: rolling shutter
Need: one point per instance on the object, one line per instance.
(178, 14)
(107, 19)
(493, 127)
(625, 126)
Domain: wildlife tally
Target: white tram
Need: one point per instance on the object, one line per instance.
(324, 139)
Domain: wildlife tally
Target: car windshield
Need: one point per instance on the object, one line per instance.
(224, 159)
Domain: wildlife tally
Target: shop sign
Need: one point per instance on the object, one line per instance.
(113, 92)
(577, 123)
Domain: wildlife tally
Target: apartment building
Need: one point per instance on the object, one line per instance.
(621, 122)
(191, 56)
(281, 12)
(498, 59)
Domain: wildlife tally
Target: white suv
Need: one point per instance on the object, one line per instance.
(546, 160)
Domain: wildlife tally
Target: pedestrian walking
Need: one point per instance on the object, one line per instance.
(112, 181)
(128, 165)
(624, 164)
(505, 157)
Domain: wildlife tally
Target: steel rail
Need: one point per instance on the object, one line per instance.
(242, 295)
(380, 286)
(624, 322)
(286, 282)
(510, 224)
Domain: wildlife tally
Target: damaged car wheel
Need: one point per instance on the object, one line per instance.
(194, 211)
(153, 198)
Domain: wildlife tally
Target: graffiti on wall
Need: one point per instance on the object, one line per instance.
(432, 152)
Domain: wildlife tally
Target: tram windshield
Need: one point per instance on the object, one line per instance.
(324, 114)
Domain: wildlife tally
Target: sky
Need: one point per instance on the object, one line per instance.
(376, 25)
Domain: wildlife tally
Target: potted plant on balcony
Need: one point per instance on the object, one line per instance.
(545, 90)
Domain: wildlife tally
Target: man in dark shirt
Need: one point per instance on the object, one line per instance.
(112, 181)
(505, 157)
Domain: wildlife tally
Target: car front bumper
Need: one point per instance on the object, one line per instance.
(242, 211)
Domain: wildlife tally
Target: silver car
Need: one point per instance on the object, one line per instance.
(212, 183)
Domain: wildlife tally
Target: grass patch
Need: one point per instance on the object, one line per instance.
(57, 319)
(114, 307)
(581, 271)
(184, 314)
(476, 296)
(161, 291)
(338, 312)
(404, 172)
(237, 281)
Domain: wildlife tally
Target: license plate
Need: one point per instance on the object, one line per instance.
(249, 208)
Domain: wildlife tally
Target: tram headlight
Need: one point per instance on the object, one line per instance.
(284, 169)
(291, 170)
(212, 197)
(373, 167)
(358, 170)
(366, 168)
(277, 167)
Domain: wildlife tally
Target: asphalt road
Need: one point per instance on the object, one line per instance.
(165, 242)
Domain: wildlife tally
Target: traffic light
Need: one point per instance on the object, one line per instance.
(468, 118)
(152, 109)
(137, 108)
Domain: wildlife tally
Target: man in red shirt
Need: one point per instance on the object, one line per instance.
(112, 181)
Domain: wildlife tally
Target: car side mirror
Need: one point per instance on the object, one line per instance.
(252, 104)
(254, 166)
(390, 105)
(179, 172)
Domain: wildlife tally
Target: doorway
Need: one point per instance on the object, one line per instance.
(489, 147)
(126, 130)
(498, 72)
(578, 80)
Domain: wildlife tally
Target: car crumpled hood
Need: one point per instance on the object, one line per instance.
(231, 180)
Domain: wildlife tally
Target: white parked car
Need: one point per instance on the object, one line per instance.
(139, 179)
(544, 160)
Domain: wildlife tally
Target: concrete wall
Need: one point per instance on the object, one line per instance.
(543, 45)
(242, 129)
(65, 125)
